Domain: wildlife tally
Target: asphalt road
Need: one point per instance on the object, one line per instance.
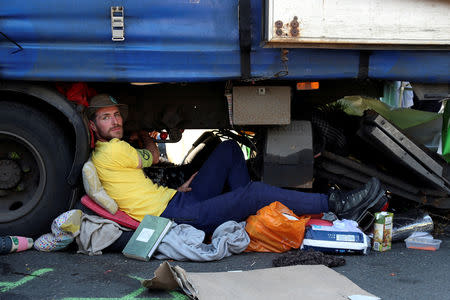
(400, 273)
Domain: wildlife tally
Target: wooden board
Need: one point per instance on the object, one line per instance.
(358, 24)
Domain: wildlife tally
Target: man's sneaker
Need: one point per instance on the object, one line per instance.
(352, 205)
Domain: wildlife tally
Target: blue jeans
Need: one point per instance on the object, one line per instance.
(206, 207)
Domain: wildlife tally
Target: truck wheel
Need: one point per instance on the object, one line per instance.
(35, 160)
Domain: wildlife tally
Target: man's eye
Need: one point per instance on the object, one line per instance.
(106, 118)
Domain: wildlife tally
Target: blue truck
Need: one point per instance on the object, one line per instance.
(183, 64)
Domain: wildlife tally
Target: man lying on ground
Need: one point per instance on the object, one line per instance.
(200, 201)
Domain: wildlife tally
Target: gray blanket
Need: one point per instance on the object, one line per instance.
(97, 233)
(184, 242)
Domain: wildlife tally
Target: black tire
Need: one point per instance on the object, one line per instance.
(32, 144)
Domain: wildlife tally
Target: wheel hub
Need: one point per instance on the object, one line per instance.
(10, 174)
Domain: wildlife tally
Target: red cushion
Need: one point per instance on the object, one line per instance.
(319, 222)
(119, 217)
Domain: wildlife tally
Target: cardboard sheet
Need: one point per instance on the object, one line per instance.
(293, 282)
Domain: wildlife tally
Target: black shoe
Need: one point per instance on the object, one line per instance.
(5, 244)
(354, 204)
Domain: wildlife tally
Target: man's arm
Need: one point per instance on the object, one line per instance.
(149, 155)
(145, 158)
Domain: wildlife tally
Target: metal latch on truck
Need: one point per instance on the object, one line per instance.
(117, 24)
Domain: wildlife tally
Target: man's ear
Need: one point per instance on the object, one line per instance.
(92, 126)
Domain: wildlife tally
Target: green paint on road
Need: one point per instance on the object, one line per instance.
(136, 293)
(133, 295)
(7, 286)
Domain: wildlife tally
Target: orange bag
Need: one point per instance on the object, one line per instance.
(275, 228)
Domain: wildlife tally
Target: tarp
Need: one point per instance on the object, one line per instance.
(400, 117)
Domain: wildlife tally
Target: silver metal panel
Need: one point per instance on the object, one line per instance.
(261, 105)
(288, 157)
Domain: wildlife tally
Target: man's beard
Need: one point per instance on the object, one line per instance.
(110, 134)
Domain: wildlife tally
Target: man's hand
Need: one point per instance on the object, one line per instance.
(185, 187)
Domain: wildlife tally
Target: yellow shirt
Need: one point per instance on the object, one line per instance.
(117, 167)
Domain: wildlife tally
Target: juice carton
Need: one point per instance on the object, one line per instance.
(382, 231)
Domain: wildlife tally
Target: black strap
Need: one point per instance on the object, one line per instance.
(245, 37)
(363, 71)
